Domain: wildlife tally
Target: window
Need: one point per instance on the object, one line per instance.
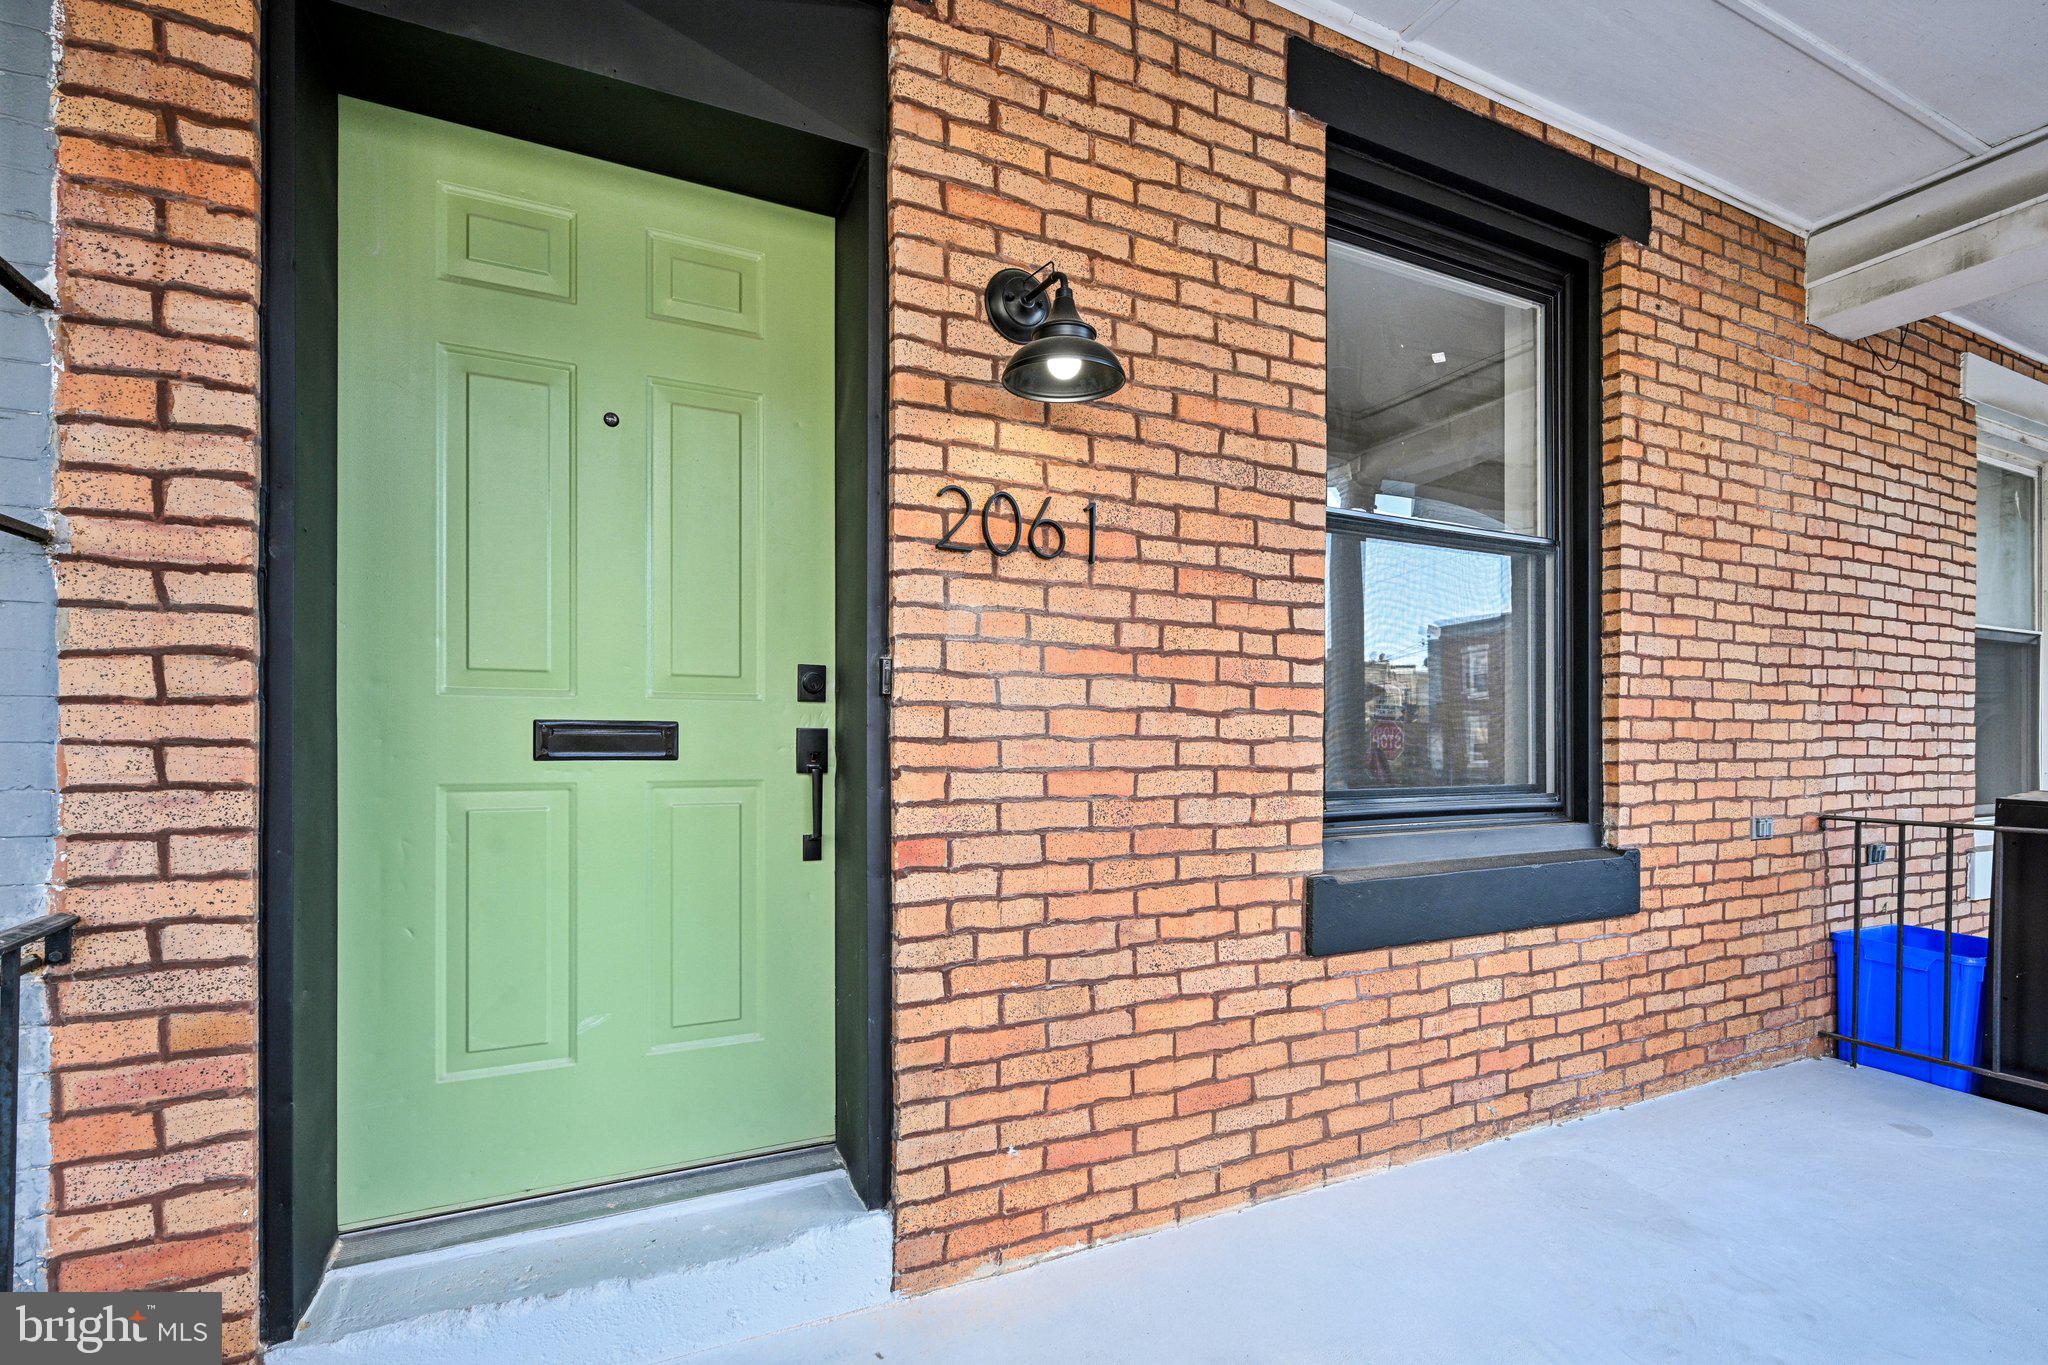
(1461, 680)
(2008, 620)
(1478, 745)
(1478, 672)
(1450, 683)
(1463, 508)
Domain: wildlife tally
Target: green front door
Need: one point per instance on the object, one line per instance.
(585, 474)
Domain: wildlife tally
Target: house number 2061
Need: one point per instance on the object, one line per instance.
(1003, 527)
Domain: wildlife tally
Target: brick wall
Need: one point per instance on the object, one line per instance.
(1107, 783)
(154, 1025)
(1107, 780)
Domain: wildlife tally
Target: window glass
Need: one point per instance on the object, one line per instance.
(2008, 638)
(1435, 400)
(1438, 668)
(2005, 548)
(2008, 709)
(1478, 671)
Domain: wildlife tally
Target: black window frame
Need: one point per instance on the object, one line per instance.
(1389, 209)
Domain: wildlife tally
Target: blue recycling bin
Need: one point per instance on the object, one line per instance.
(1920, 1019)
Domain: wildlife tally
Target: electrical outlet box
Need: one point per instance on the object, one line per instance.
(1876, 853)
(1762, 826)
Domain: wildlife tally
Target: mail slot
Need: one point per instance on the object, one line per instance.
(611, 740)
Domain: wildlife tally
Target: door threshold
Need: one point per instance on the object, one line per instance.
(630, 1274)
(438, 1232)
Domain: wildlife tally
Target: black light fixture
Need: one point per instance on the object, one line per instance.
(1058, 358)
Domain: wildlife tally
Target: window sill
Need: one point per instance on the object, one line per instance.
(1391, 904)
(1364, 844)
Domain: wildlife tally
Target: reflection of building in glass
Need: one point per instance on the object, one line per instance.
(1386, 703)
(1393, 697)
(1391, 663)
(1465, 658)
(1424, 642)
(1442, 721)
(1393, 691)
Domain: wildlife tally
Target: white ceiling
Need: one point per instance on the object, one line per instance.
(1804, 111)
(2020, 319)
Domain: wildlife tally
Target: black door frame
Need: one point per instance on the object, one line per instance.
(803, 125)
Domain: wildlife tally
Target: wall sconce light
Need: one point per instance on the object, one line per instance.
(1058, 358)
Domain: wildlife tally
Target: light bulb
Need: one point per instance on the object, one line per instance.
(1063, 367)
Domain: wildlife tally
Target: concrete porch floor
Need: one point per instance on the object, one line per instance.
(1811, 1212)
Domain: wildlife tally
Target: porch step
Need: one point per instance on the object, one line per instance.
(646, 1285)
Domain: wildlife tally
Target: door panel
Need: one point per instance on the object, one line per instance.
(507, 243)
(706, 283)
(705, 494)
(505, 919)
(507, 477)
(556, 974)
(703, 875)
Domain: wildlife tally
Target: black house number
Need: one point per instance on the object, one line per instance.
(1003, 528)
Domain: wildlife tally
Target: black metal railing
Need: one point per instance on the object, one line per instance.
(54, 933)
(27, 530)
(24, 288)
(31, 295)
(1895, 839)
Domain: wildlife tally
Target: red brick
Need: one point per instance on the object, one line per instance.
(206, 181)
(101, 1135)
(158, 1265)
(150, 1083)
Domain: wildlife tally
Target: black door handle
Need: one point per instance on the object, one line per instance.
(814, 756)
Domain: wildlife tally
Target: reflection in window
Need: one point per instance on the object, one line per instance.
(1418, 634)
(1479, 753)
(1478, 671)
(1442, 590)
(1436, 411)
(2008, 625)
(2008, 704)
(2006, 574)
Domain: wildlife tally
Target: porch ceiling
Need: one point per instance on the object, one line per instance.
(1808, 112)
